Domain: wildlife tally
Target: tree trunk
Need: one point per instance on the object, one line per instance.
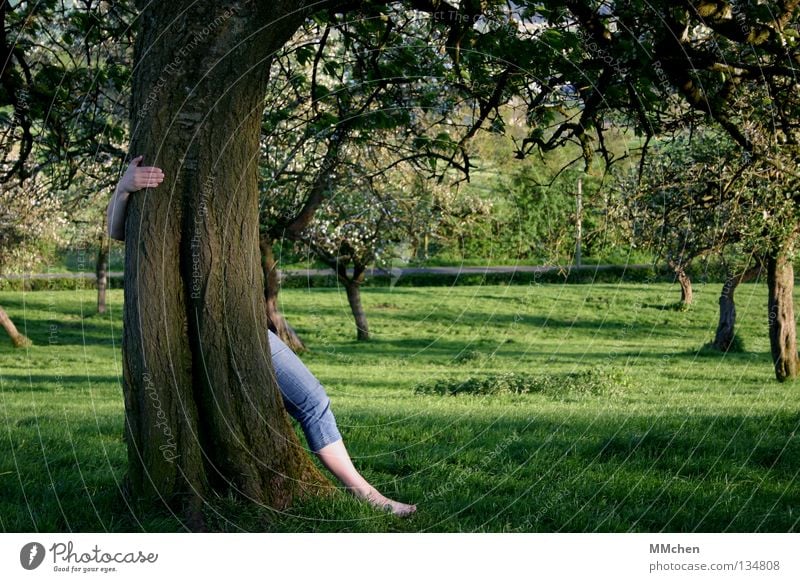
(102, 272)
(684, 281)
(203, 411)
(782, 326)
(277, 322)
(353, 288)
(726, 328)
(19, 340)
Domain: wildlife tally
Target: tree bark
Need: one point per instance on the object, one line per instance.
(17, 339)
(277, 322)
(726, 328)
(203, 411)
(353, 287)
(101, 271)
(782, 325)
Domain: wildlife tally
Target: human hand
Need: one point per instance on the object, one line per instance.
(137, 177)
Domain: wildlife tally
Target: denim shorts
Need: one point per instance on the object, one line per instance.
(303, 395)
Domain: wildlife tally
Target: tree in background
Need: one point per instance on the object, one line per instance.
(658, 67)
(86, 230)
(375, 84)
(63, 105)
(682, 202)
(31, 224)
(358, 225)
(18, 340)
(98, 36)
(434, 215)
(534, 210)
(740, 268)
(62, 96)
(731, 65)
(528, 206)
(374, 213)
(696, 196)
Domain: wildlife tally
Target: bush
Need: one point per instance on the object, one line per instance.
(56, 284)
(594, 381)
(574, 275)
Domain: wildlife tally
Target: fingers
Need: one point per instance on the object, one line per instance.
(138, 177)
(149, 171)
(149, 177)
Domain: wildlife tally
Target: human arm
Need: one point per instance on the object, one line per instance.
(135, 178)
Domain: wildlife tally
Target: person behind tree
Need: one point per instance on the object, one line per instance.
(303, 395)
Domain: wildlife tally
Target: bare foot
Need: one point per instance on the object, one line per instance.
(395, 507)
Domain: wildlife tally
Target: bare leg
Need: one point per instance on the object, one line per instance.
(336, 459)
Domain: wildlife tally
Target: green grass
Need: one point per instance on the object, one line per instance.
(687, 440)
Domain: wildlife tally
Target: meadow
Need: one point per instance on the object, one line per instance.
(676, 438)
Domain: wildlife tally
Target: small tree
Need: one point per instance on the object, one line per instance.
(87, 228)
(358, 225)
(740, 269)
(17, 339)
(30, 227)
(681, 202)
(375, 85)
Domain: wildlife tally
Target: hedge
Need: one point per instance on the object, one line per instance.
(575, 275)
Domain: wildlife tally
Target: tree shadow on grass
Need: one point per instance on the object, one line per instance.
(85, 332)
(591, 462)
(469, 473)
(581, 322)
(46, 383)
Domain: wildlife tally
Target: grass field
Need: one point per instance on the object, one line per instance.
(685, 439)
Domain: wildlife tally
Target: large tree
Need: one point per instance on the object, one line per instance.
(203, 411)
